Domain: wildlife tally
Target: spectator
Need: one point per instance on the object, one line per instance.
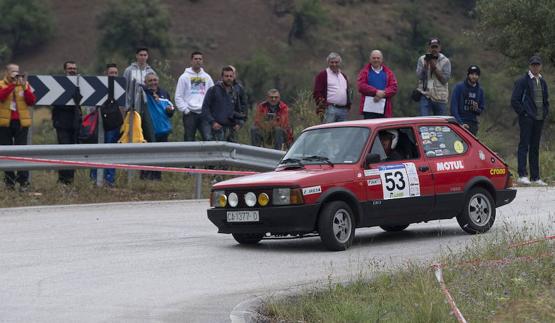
(16, 97)
(136, 72)
(331, 91)
(433, 71)
(467, 101)
(377, 85)
(110, 136)
(67, 122)
(271, 122)
(190, 91)
(530, 100)
(243, 102)
(221, 110)
(156, 118)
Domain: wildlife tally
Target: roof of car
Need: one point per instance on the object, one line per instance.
(371, 123)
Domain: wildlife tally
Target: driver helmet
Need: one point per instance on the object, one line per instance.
(395, 138)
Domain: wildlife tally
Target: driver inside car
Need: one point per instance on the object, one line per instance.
(389, 139)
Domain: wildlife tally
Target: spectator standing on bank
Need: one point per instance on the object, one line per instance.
(190, 91)
(136, 72)
(243, 104)
(16, 97)
(332, 91)
(221, 110)
(271, 122)
(67, 122)
(377, 86)
(433, 71)
(156, 118)
(467, 101)
(530, 100)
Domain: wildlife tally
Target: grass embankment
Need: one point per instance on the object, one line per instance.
(518, 289)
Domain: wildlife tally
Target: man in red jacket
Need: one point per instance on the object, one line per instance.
(332, 91)
(377, 85)
(271, 122)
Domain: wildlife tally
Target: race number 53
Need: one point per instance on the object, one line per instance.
(395, 182)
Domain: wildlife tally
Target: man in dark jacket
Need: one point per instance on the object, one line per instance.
(530, 101)
(221, 109)
(467, 101)
(67, 122)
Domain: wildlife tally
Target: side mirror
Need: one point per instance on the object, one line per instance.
(372, 158)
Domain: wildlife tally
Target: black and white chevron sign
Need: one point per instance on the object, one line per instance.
(59, 90)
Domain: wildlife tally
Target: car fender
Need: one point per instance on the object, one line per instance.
(483, 182)
(341, 194)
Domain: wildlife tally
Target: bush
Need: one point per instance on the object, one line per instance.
(307, 14)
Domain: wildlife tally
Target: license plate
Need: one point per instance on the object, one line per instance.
(242, 216)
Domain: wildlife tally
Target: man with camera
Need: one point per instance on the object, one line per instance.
(16, 96)
(271, 122)
(222, 110)
(433, 70)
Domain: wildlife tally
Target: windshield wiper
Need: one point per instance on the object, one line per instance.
(291, 161)
(319, 158)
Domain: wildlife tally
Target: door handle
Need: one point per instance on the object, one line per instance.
(423, 168)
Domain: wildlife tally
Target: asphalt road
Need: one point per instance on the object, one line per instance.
(164, 261)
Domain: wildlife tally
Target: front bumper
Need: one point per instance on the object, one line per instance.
(505, 196)
(277, 220)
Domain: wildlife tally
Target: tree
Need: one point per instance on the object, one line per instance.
(128, 24)
(307, 14)
(26, 24)
(519, 28)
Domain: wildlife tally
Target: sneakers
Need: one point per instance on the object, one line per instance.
(539, 182)
(523, 180)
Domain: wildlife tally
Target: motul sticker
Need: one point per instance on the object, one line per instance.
(312, 190)
(450, 165)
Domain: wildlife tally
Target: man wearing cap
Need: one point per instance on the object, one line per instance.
(433, 70)
(531, 104)
(467, 101)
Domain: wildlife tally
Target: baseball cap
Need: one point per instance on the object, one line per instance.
(535, 60)
(473, 69)
(433, 41)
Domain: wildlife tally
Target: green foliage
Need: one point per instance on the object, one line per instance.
(26, 24)
(519, 28)
(307, 14)
(128, 24)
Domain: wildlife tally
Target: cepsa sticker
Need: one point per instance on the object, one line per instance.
(497, 171)
(312, 190)
(399, 181)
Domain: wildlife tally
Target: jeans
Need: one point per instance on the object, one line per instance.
(225, 133)
(193, 122)
(14, 135)
(335, 114)
(110, 137)
(154, 175)
(529, 146)
(274, 137)
(428, 106)
(66, 137)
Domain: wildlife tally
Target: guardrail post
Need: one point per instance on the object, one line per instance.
(198, 186)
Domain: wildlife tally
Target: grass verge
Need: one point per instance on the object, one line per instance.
(518, 289)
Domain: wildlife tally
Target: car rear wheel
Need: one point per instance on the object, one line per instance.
(394, 228)
(336, 226)
(478, 213)
(248, 238)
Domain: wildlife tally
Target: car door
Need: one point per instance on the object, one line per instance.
(399, 191)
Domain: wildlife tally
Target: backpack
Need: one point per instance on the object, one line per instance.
(88, 134)
(111, 115)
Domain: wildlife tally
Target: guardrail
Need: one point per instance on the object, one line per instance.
(203, 153)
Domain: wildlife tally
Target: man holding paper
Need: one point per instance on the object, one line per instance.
(377, 85)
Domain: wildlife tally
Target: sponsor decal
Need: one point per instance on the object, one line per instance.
(450, 165)
(375, 181)
(438, 128)
(434, 138)
(399, 181)
(446, 129)
(442, 146)
(459, 147)
(312, 190)
(430, 153)
(481, 155)
(359, 175)
(497, 171)
(371, 172)
(425, 135)
(439, 152)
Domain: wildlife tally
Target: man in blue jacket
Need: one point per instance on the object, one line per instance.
(467, 101)
(530, 101)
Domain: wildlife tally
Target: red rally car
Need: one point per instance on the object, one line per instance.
(383, 172)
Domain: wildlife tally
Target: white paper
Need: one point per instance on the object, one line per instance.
(371, 106)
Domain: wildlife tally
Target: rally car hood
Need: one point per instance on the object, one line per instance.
(295, 177)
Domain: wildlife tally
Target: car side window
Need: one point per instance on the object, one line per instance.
(395, 144)
(441, 141)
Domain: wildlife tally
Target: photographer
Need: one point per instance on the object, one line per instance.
(433, 71)
(15, 118)
(271, 122)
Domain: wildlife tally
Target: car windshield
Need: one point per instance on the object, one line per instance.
(329, 146)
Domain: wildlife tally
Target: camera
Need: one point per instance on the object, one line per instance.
(429, 57)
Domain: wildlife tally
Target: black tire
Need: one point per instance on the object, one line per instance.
(478, 213)
(394, 228)
(248, 238)
(336, 226)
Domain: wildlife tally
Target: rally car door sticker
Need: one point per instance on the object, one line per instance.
(450, 165)
(312, 190)
(374, 181)
(399, 181)
(371, 172)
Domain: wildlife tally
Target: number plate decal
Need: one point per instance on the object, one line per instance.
(399, 181)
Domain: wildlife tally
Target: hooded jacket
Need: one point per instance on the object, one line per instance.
(191, 89)
(134, 72)
(461, 100)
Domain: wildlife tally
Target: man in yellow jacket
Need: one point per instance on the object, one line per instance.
(15, 118)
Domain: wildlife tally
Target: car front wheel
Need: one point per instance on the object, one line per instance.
(478, 213)
(248, 238)
(336, 226)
